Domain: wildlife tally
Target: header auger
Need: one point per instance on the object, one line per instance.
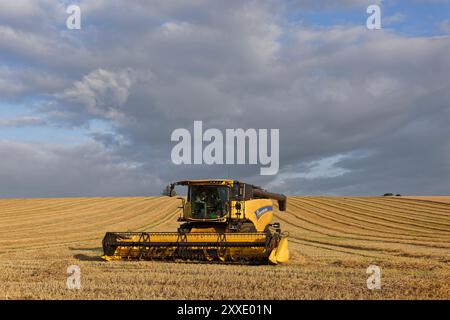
(221, 221)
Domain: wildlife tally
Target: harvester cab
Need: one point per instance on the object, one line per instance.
(221, 220)
(206, 203)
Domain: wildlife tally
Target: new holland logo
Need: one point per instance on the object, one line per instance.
(259, 212)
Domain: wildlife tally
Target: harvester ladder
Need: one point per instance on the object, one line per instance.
(181, 249)
(144, 237)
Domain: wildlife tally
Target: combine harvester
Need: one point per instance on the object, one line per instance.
(222, 221)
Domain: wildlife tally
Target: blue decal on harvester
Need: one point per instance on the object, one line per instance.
(259, 212)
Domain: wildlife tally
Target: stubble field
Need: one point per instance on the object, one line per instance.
(332, 242)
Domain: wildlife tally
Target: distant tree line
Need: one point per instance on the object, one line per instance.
(166, 191)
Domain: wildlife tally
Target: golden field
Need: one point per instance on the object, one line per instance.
(332, 242)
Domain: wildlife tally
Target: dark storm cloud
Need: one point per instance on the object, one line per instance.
(158, 66)
(87, 170)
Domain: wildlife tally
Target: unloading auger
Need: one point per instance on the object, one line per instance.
(221, 221)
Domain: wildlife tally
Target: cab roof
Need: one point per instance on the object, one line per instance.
(205, 181)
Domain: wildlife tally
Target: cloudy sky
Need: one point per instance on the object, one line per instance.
(90, 112)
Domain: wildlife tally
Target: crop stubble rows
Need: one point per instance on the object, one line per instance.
(332, 242)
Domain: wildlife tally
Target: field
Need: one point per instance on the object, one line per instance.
(332, 242)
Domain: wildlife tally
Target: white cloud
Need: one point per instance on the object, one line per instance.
(102, 92)
(22, 121)
(393, 19)
(445, 26)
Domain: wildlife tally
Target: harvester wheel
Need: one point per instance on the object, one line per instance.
(222, 254)
(209, 254)
(234, 256)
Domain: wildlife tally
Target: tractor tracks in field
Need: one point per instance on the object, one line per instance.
(83, 240)
(160, 205)
(71, 213)
(161, 221)
(356, 250)
(369, 219)
(417, 218)
(313, 215)
(353, 219)
(70, 222)
(363, 237)
(385, 251)
(313, 212)
(422, 202)
(26, 210)
(421, 242)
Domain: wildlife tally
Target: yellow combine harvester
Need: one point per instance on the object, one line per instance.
(222, 221)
